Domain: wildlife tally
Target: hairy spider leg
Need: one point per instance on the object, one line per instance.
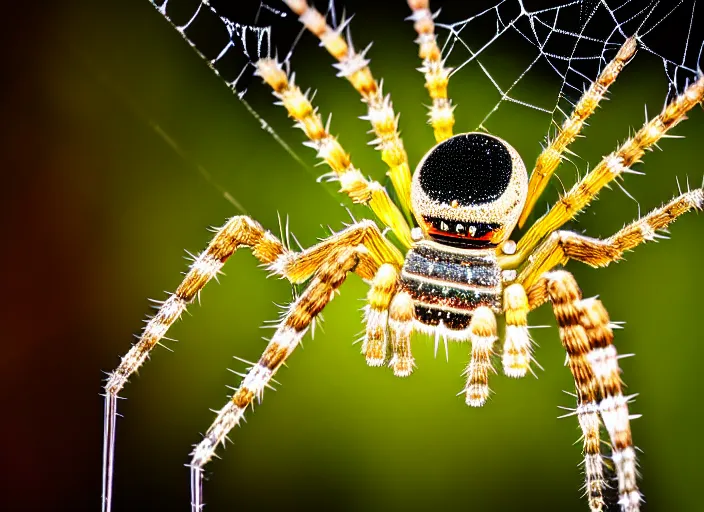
(401, 316)
(518, 345)
(611, 167)
(550, 158)
(482, 334)
(563, 245)
(240, 231)
(613, 406)
(237, 232)
(329, 149)
(354, 67)
(376, 314)
(587, 336)
(288, 335)
(437, 76)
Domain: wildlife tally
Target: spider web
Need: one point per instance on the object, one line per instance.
(570, 40)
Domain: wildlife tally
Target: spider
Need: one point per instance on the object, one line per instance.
(457, 269)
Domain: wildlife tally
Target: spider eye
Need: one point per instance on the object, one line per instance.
(469, 190)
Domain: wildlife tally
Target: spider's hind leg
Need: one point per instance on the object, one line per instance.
(587, 337)
(401, 317)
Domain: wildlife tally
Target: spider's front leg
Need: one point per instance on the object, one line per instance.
(288, 335)
(238, 232)
(587, 337)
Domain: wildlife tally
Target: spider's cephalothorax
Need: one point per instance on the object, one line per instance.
(455, 272)
(467, 193)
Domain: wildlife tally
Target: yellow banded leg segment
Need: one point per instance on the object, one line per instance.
(297, 267)
(564, 245)
(401, 315)
(437, 76)
(376, 314)
(355, 68)
(518, 345)
(551, 156)
(329, 149)
(611, 167)
(566, 298)
(482, 329)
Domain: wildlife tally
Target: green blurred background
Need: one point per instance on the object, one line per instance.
(98, 209)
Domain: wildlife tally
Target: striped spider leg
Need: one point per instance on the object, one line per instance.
(437, 76)
(584, 325)
(354, 66)
(587, 337)
(360, 248)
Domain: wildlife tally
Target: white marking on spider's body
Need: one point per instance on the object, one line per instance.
(442, 330)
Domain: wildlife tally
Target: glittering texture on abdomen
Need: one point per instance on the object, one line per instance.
(447, 285)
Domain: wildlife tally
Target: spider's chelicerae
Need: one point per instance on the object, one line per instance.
(458, 268)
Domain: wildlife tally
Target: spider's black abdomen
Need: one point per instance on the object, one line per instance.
(448, 284)
(471, 169)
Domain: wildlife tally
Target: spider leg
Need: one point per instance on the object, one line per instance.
(517, 351)
(551, 156)
(482, 334)
(611, 167)
(380, 113)
(588, 339)
(238, 232)
(352, 182)
(563, 245)
(437, 76)
(401, 316)
(376, 314)
(291, 330)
